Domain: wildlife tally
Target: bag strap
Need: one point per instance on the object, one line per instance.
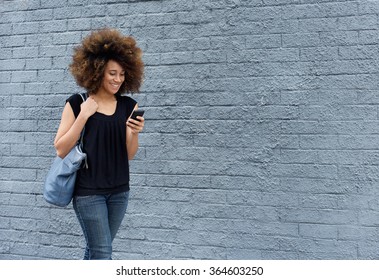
(82, 133)
(84, 128)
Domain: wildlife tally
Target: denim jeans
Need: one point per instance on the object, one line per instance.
(100, 217)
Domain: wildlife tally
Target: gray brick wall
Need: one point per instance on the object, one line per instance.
(261, 138)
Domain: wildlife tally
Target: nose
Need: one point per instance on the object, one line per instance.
(117, 78)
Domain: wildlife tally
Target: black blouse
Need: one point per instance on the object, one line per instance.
(105, 145)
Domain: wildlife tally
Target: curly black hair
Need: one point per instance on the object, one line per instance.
(91, 57)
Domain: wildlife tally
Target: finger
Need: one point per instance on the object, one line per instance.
(135, 122)
(137, 128)
(131, 124)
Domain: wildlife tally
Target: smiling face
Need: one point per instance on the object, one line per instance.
(114, 76)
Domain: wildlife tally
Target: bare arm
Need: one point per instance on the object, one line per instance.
(70, 128)
(133, 128)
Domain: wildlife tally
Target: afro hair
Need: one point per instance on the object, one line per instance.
(91, 57)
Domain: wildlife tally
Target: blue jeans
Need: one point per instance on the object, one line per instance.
(100, 217)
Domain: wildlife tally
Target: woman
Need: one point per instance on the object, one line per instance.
(106, 64)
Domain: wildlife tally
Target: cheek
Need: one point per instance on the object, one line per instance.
(106, 79)
(109, 78)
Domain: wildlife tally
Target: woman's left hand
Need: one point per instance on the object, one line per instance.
(136, 126)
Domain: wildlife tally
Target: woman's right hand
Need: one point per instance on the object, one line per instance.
(89, 107)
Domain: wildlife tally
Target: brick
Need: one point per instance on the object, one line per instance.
(25, 52)
(24, 76)
(33, 40)
(26, 28)
(37, 63)
(263, 41)
(50, 76)
(78, 24)
(38, 15)
(11, 16)
(52, 4)
(318, 25)
(15, 64)
(357, 22)
(301, 40)
(5, 29)
(67, 12)
(368, 7)
(356, 52)
(93, 11)
(368, 37)
(342, 38)
(319, 142)
(53, 26)
(52, 51)
(6, 53)
(14, 41)
(67, 38)
(176, 58)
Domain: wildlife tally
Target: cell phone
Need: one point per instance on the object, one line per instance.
(136, 113)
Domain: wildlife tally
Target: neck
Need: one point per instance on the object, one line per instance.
(102, 95)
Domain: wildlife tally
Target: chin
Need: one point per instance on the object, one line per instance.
(113, 91)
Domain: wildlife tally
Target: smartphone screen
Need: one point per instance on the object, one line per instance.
(138, 112)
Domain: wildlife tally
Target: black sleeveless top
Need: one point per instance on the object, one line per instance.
(105, 145)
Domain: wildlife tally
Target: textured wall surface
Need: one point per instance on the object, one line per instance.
(261, 137)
